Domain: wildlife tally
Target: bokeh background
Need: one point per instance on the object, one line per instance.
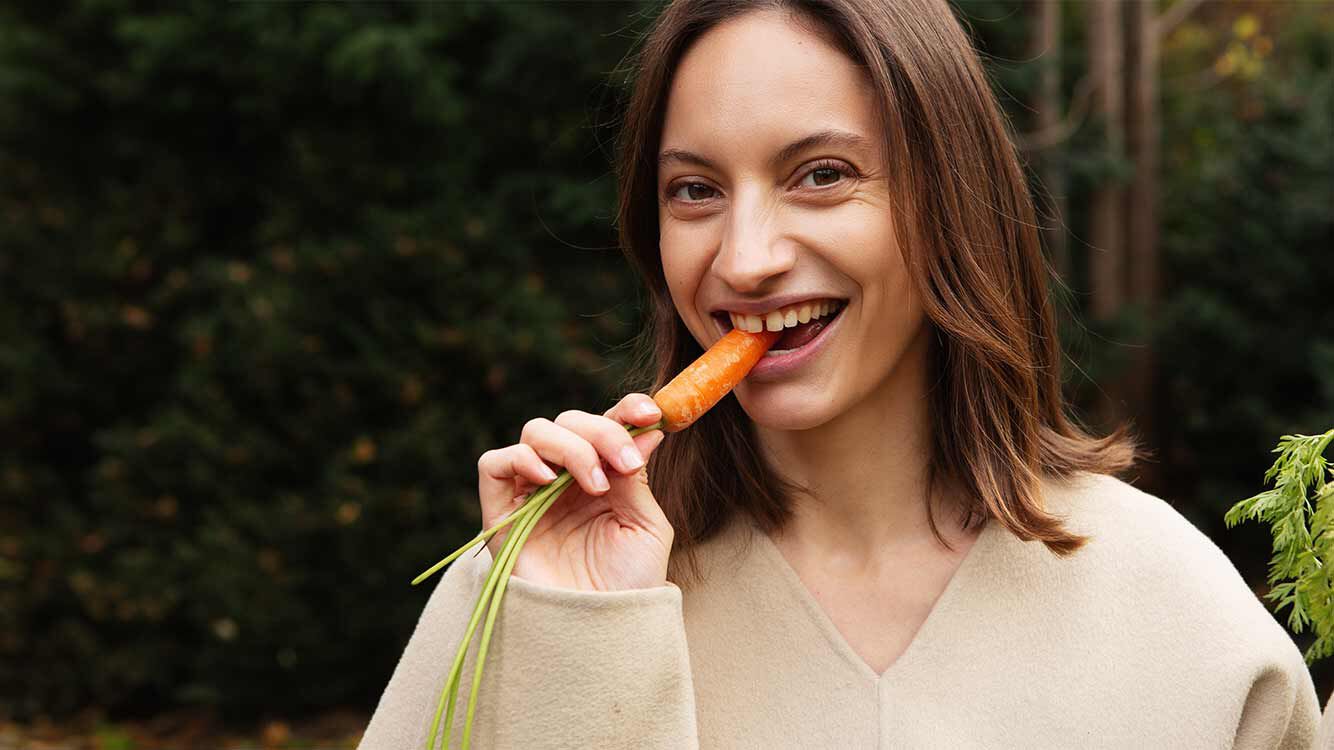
(274, 274)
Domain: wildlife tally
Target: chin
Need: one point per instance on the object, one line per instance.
(786, 414)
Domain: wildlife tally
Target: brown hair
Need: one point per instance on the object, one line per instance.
(972, 249)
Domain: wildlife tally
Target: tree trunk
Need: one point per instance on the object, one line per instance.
(1143, 128)
(1107, 202)
(1106, 220)
(1046, 105)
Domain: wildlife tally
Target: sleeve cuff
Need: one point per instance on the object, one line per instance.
(587, 668)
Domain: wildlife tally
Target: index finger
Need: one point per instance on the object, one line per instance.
(636, 409)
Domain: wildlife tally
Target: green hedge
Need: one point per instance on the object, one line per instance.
(274, 276)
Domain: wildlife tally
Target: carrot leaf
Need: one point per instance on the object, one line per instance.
(1300, 512)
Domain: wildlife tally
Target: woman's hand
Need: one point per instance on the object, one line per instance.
(606, 531)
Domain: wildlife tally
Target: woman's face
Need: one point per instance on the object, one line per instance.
(773, 193)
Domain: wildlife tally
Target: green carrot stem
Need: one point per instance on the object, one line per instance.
(522, 533)
(520, 512)
(637, 431)
(447, 694)
(508, 551)
(455, 672)
(528, 514)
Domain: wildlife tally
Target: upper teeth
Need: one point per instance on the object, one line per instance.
(785, 317)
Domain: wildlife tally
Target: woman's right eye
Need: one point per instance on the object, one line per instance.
(692, 192)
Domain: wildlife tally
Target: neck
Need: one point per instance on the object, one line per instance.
(866, 470)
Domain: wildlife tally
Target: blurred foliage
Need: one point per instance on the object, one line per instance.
(275, 274)
(1247, 333)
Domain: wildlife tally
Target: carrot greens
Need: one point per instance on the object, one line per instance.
(1300, 511)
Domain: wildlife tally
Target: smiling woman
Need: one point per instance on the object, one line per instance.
(775, 576)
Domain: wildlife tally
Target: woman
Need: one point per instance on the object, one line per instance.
(892, 536)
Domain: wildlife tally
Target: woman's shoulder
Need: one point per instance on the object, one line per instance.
(1146, 553)
(1165, 588)
(1141, 538)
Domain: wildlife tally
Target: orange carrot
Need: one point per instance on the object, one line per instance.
(704, 383)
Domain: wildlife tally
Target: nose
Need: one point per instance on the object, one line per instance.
(752, 252)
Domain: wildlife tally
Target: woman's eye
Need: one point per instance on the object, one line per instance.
(823, 176)
(692, 192)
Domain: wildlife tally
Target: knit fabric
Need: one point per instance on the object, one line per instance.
(1147, 637)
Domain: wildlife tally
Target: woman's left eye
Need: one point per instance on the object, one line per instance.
(825, 174)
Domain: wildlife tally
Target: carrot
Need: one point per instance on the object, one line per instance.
(705, 381)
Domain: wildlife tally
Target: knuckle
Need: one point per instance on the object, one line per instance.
(532, 426)
(636, 405)
(612, 439)
(586, 456)
(495, 460)
(622, 440)
(531, 456)
(569, 415)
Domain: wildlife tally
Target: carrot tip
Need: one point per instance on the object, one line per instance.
(705, 382)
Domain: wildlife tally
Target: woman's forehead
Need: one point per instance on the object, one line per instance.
(761, 82)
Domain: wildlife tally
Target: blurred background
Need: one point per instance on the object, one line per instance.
(274, 274)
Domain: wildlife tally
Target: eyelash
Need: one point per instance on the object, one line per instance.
(844, 169)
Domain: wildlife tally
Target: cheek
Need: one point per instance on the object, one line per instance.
(685, 260)
(891, 303)
(672, 266)
(890, 314)
(863, 245)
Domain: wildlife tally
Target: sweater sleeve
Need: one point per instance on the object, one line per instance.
(1282, 711)
(565, 669)
(1325, 737)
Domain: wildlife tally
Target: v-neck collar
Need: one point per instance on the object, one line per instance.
(953, 589)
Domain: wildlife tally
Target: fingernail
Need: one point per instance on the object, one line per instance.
(600, 480)
(647, 410)
(548, 474)
(630, 459)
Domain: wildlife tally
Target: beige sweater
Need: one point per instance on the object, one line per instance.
(1146, 638)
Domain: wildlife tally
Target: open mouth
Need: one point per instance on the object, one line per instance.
(801, 324)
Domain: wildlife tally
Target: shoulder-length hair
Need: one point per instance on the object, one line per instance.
(973, 252)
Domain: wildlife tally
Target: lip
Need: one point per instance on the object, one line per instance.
(775, 367)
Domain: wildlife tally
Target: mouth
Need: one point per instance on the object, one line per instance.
(801, 323)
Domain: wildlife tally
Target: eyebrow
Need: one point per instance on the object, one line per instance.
(826, 138)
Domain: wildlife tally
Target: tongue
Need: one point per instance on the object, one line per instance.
(794, 338)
